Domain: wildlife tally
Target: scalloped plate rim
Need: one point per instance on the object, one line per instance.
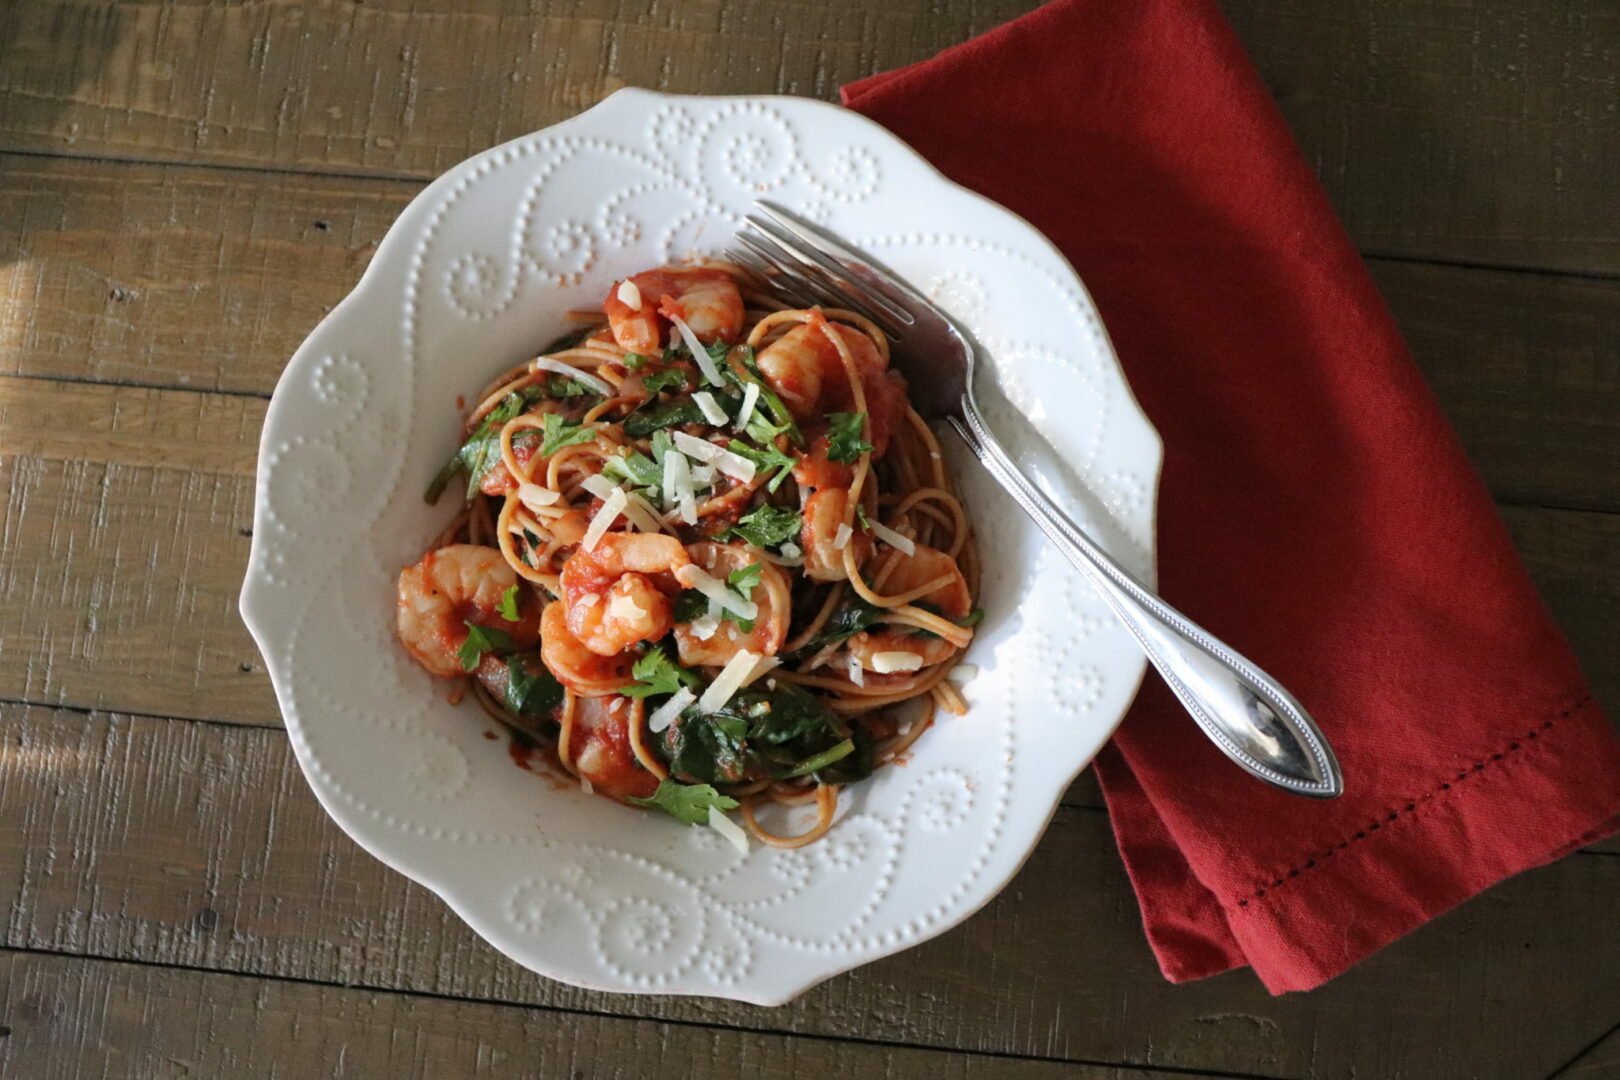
(391, 258)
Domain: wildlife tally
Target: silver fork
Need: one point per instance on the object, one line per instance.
(1243, 710)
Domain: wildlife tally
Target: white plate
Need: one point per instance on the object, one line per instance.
(476, 273)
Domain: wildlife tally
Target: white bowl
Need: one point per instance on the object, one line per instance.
(475, 275)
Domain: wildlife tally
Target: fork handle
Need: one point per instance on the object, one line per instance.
(1243, 710)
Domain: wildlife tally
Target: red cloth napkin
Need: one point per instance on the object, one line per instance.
(1316, 510)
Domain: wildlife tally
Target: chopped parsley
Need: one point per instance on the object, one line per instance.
(634, 361)
(656, 673)
(744, 578)
(765, 460)
(508, 607)
(844, 442)
(687, 803)
(480, 640)
(768, 526)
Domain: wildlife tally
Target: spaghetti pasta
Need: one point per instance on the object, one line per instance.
(642, 521)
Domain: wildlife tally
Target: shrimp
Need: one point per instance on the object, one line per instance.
(576, 667)
(706, 300)
(804, 367)
(450, 589)
(618, 593)
(823, 513)
(953, 600)
(601, 748)
(770, 625)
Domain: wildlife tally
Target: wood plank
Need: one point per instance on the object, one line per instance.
(1527, 367)
(78, 1019)
(209, 279)
(1480, 130)
(1470, 130)
(125, 538)
(123, 541)
(262, 882)
(1600, 1062)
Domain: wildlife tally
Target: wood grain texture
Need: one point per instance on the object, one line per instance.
(170, 842)
(126, 537)
(209, 279)
(1480, 130)
(78, 1019)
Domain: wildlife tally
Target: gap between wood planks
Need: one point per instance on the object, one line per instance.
(710, 1031)
(262, 879)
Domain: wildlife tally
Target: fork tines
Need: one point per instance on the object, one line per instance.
(796, 262)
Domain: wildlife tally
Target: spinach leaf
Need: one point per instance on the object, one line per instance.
(532, 690)
(844, 442)
(669, 378)
(561, 433)
(769, 398)
(478, 455)
(560, 386)
(635, 467)
(708, 747)
(690, 605)
(857, 765)
(687, 803)
(568, 340)
(650, 418)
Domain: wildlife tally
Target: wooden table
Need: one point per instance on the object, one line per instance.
(187, 187)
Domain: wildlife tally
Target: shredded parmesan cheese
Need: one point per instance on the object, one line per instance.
(703, 475)
(885, 663)
(750, 399)
(898, 541)
(728, 682)
(695, 577)
(710, 408)
(678, 486)
(963, 673)
(604, 519)
(705, 362)
(599, 485)
(728, 829)
(639, 512)
(765, 664)
(704, 627)
(585, 785)
(534, 496)
(733, 465)
(841, 537)
(857, 674)
(665, 714)
(568, 371)
(791, 550)
(630, 294)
